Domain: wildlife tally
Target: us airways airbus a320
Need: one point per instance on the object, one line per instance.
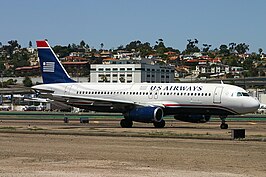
(143, 102)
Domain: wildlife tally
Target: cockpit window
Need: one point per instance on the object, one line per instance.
(242, 94)
(245, 94)
(239, 94)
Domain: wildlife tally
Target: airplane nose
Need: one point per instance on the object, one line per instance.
(253, 105)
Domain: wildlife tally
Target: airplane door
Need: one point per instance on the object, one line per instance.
(67, 89)
(217, 95)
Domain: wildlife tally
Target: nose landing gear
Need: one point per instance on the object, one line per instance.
(223, 124)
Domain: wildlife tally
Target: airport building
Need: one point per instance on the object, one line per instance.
(131, 71)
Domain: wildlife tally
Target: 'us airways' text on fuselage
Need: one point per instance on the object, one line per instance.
(175, 88)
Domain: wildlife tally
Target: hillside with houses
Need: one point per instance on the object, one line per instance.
(226, 61)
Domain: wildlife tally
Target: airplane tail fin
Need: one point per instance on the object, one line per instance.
(51, 68)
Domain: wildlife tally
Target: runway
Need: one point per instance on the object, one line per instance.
(104, 126)
(50, 147)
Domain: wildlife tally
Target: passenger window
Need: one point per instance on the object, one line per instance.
(239, 94)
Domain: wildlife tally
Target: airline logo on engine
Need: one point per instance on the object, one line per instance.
(175, 88)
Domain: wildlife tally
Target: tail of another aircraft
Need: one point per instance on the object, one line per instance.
(51, 68)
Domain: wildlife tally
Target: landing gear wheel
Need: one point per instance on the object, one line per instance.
(126, 123)
(160, 124)
(224, 126)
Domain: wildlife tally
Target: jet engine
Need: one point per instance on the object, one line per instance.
(145, 114)
(193, 118)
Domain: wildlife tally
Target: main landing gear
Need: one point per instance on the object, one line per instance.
(160, 124)
(223, 124)
(125, 123)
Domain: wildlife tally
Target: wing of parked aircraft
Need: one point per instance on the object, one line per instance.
(142, 102)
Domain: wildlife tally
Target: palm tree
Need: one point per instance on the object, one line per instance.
(30, 44)
(260, 50)
(102, 45)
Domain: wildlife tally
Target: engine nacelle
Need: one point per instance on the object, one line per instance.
(145, 114)
(193, 118)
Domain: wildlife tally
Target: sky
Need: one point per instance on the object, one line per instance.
(118, 22)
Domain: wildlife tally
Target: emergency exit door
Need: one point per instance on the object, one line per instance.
(217, 97)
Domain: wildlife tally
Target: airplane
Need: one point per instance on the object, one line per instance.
(143, 102)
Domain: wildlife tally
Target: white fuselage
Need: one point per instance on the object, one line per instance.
(175, 98)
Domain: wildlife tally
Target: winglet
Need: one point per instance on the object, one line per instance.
(51, 68)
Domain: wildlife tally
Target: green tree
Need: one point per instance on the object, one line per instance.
(160, 48)
(192, 46)
(260, 50)
(82, 44)
(2, 66)
(206, 48)
(102, 45)
(27, 82)
(62, 51)
(231, 60)
(224, 50)
(242, 48)
(30, 44)
(248, 64)
(232, 46)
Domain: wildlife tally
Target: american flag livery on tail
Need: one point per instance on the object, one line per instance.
(51, 68)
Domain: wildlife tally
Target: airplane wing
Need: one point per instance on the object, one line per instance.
(70, 99)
